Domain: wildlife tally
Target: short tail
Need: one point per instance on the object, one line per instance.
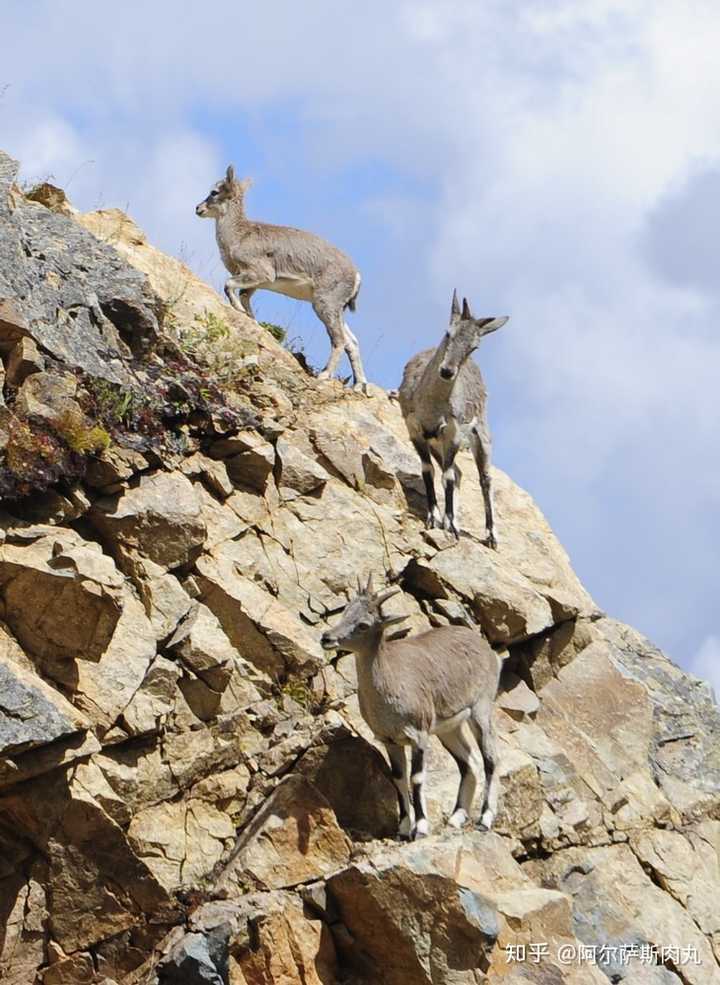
(356, 290)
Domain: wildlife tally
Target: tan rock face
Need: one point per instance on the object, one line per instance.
(188, 791)
(293, 839)
(434, 928)
(288, 947)
(60, 601)
(160, 518)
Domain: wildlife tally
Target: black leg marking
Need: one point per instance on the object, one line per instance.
(427, 474)
(397, 775)
(398, 767)
(449, 497)
(451, 478)
(418, 775)
(418, 779)
(463, 768)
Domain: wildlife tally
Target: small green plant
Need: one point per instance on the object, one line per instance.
(277, 331)
(219, 349)
(116, 404)
(78, 434)
(300, 693)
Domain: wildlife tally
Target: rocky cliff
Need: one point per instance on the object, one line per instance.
(187, 791)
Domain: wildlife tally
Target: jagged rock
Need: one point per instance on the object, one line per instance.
(160, 518)
(180, 842)
(687, 866)
(47, 395)
(249, 459)
(166, 601)
(505, 603)
(44, 257)
(23, 360)
(298, 473)
(221, 522)
(602, 720)
(115, 465)
(14, 326)
(517, 699)
(191, 962)
(39, 728)
(287, 945)
(261, 628)
(61, 600)
(23, 915)
(294, 838)
(543, 657)
(356, 781)
(76, 970)
(342, 453)
(154, 700)
(202, 645)
(435, 928)
(31, 712)
(213, 473)
(617, 902)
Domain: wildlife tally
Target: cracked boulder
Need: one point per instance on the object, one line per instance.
(70, 607)
(435, 927)
(82, 302)
(507, 606)
(62, 597)
(159, 518)
(33, 716)
(259, 626)
(180, 842)
(294, 838)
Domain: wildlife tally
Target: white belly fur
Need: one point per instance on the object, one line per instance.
(302, 290)
(450, 724)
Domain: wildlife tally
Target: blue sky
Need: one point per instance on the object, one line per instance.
(556, 160)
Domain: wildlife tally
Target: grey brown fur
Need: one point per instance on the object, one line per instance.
(298, 264)
(441, 682)
(443, 400)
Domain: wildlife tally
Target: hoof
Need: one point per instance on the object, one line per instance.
(434, 520)
(361, 387)
(451, 526)
(491, 542)
(459, 819)
(421, 830)
(486, 821)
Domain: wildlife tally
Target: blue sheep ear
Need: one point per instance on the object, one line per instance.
(230, 173)
(455, 307)
(392, 620)
(466, 309)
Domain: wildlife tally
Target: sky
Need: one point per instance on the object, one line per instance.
(557, 161)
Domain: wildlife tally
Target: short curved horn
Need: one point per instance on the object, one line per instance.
(230, 173)
(369, 588)
(455, 307)
(466, 309)
(388, 594)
